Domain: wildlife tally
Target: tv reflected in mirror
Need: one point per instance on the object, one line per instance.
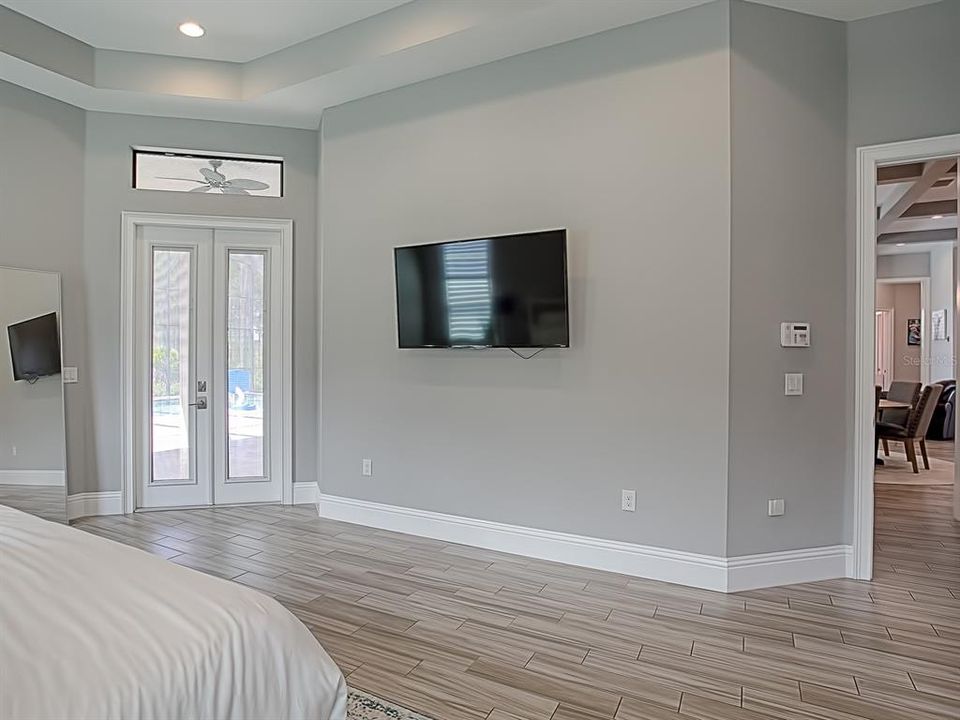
(35, 347)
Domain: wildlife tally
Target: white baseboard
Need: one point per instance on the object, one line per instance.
(643, 561)
(94, 503)
(305, 493)
(851, 568)
(51, 478)
(747, 572)
(710, 572)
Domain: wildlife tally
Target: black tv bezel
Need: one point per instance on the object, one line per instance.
(566, 293)
(18, 375)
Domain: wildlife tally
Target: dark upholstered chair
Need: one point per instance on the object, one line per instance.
(902, 391)
(878, 391)
(941, 424)
(918, 421)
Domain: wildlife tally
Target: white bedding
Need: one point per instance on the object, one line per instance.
(91, 628)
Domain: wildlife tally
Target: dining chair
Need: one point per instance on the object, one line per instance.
(918, 420)
(905, 391)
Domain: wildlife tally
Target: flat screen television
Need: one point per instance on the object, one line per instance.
(35, 347)
(496, 292)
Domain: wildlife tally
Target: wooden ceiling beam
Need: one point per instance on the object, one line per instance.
(910, 172)
(932, 171)
(899, 173)
(929, 209)
(918, 236)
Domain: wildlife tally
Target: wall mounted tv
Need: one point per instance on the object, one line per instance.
(35, 347)
(496, 292)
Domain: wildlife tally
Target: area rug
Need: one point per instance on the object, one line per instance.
(896, 470)
(363, 706)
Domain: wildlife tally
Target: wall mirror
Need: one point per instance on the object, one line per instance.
(33, 475)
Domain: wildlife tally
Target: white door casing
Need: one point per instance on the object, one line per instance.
(868, 159)
(209, 240)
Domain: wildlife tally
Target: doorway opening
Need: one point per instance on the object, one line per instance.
(905, 360)
(903, 338)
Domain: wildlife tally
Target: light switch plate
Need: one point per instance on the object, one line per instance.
(70, 375)
(775, 507)
(793, 384)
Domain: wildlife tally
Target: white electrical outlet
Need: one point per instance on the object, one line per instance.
(775, 507)
(366, 467)
(628, 500)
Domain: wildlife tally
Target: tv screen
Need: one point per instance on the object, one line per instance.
(35, 347)
(508, 291)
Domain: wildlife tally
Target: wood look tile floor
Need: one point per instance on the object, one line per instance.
(47, 502)
(459, 633)
(940, 449)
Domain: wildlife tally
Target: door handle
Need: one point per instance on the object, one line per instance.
(200, 404)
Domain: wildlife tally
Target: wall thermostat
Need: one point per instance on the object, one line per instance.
(794, 334)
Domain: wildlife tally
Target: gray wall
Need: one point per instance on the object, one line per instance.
(108, 193)
(903, 265)
(41, 211)
(31, 414)
(622, 138)
(788, 103)
(902, 74)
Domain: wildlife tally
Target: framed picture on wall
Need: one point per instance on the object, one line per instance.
(913, 331)
(938, 324)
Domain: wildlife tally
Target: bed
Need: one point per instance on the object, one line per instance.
(91, 628)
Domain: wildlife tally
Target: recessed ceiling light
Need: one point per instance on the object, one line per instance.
(191, 29)
(900, 244)
(936, 217)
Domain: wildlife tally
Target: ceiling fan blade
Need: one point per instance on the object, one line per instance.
(227, 190)
(247, 184)
(202, 188)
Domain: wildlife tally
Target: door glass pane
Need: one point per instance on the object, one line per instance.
(170, 363)
(246, 391)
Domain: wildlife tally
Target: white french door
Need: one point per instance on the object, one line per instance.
(209, 362)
